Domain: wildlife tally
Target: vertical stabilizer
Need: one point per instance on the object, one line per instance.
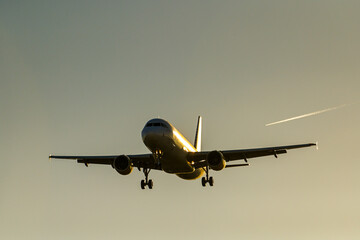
(197, 143)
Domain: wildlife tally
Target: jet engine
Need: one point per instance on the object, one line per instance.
(216, 160)
(122, 165)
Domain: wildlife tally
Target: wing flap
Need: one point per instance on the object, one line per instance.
(96, 161)
(237, 165)
(238, 155)
(107, 160)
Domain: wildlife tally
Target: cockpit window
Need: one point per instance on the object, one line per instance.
(156, 124)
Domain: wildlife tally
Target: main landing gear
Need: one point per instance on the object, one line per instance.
(147, 182)
(207, 179)
(157, 154)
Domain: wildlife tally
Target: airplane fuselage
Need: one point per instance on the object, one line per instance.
(170, 148)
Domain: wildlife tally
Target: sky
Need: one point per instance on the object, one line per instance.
(83, 77)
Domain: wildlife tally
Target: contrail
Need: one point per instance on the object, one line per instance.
(307, 115)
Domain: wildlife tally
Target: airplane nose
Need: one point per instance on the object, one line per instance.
(153, 135)
(143, 134)
(148, 135)
(152, 139)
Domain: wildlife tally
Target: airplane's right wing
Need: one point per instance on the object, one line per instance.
(139, 160)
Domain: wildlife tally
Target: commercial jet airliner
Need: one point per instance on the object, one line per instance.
(172, 153)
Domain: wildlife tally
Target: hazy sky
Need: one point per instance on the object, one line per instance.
(83, 77)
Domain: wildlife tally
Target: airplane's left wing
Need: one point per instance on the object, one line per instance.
(244, 154)
(139, 160)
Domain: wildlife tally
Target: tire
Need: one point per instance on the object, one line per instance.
(203, 182)
(142, 184)
(150, 184)
(211, 181)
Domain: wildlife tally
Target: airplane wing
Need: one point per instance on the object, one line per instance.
(199, 158)
(139, 161)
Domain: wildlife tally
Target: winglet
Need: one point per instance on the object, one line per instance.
(317, 145)
(197, 143)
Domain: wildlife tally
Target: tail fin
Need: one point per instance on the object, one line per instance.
(197, 143)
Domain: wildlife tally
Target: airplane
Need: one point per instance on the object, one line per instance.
(172, 153)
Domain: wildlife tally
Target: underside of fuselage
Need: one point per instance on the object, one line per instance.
(170, 149)
(191, 176)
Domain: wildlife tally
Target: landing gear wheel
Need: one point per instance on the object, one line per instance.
(211, 181)
(150, 184)
(203, 181)
(207, 179)
(142, 184)
(147, 182)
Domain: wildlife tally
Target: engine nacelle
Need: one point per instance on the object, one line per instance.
(216, 160)
(122, 165)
